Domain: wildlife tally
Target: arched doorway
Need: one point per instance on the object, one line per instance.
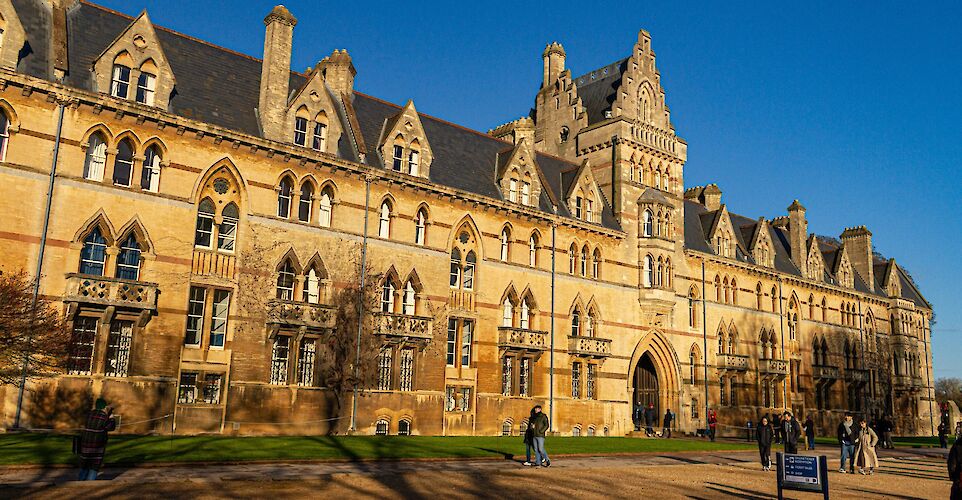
(646, 384)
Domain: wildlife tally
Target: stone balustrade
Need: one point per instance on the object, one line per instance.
(522, 339)
(296, 314)
(403, 326)
(110, 292)
(734, 362)
(589, 346)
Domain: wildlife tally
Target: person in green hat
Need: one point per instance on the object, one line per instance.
(93, 439)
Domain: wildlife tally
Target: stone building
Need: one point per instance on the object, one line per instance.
(206, 206)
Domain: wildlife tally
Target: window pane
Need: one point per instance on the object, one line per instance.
(384, 360)
(227, 231)
(305, 362)
(120, 82)
(118, 348)
(218, 327)
(195, 315)
(212, 387)
(407, 370)
(300, 132)
(124, 163)
(96, 158)
(128, 260)
(306, 203)
(205, 224)
(150, 173)
(145, 89)
(82, 346)
(320, 137)
(452, 344)
(187, 392)
(279, 356)
(93, 255)
(466, 330)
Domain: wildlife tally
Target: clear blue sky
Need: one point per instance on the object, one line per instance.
(856, 110)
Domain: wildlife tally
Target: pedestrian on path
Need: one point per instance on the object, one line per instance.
(792, 432)
(765, 437)
(539, 427)
(529, 440)
(943, 435)
(887, 432)
(955, 469)
(712, 423)
(847, 437)
(865, 451)
(748, 430)
(651, 418)
(809, 433)
(666, 430)
(92, 442)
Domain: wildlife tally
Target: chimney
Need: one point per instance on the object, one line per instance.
(516, 131)
(797, 235)
(711, 197)
(858, 245)
(554, 63)
(58, 37)
(338, 71)
(276, 72)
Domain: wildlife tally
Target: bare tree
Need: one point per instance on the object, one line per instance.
(29, 329)
(949, 389)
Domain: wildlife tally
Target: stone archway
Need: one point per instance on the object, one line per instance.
(654, 374)
(645, 384)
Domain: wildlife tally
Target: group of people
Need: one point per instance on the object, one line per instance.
(857, 441)
(649, 416)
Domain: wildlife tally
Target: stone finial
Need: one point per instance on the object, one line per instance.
(553, 48)
(280, 14)
(795, 206)
(338, 71)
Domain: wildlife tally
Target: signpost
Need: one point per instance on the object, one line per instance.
(802, 473)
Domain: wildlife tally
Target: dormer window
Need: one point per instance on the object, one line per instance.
(513, 190)
(525, 193)
(120, 83)
(414, 160)
(589, 210)
(320, 137)
(300, 131)
(398, 158)
(579, 207)
(146, 84)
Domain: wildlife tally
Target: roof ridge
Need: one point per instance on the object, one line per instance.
(585, 75)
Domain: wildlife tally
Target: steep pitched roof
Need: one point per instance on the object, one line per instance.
(599, 88)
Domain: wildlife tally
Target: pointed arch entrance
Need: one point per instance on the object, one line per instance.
(654, 375)
(646, 384)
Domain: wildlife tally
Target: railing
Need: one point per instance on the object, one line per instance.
(856, 375)
(403, 325)
(825, 372)
(589, 346)
(519, 338)
(86, 289)
(736, 362)
(773, 366)
(300, 314)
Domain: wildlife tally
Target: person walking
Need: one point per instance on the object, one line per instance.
(887, 427)
(779, 426)
(809, 433)
(92, 443)
(865, 450)
(765, 436)
(529, 440)
(748, 430)
(943, 435)
(792, 431)
(954, 464)
(539, 427)
(651, 417)
(712, 423)
(847, 437)
(666, 427)
(636, 416)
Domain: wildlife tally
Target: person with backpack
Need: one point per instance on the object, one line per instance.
(712, 423)
(765, 436)
(809, 433)
(666, 430)
(92, 443)
(847, 438)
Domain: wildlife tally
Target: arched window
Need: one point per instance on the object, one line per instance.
(734, 289)
(205, 223)
(575, 323)
(285, 281)
(306, 203)
(657, 223)
(284, 194)
(312, 286)
(455, 268)
(404, 428)
(469, 264)
(758, 296)
(150, 173)
(506, 428)
(646, 226)
(505, 244)
(384, 226)
(718, 288)
(120, 81)
(576, 432)
(659, 272)
(409, 303)
(524, 318)
(596, 264)
(811, 307)
(533, 250)
(124, 163)
(584, 261)
(507, 313)
(774, 299)
(128, 260)
(564, 134)
(227, 231)
(668, 273)
(388, 292)
(572, 259)
(414, 161)
(420, 226)
(4, 125)
(693, 364)
(380, 429)
(649, 272)
(326, 204)
(146, 84)
(727, 289)
(319, 141)
(300, 128)
(824, 310)
(589, 327)
(692, 307)
(93, 255)
(96, 157)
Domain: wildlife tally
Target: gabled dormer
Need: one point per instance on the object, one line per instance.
(641, 96)
(583, 196)
(403, 144)
(518, 175)
(12, 36)
(815, 263)
(761, 247)
(134, 66)
(892, 285)
(721, 235)
(311, 119)
(843, 268)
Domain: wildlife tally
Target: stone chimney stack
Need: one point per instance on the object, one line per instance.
(711, 197)
(798, 235)
(554, 63)
(858, 245)
(516, 131)
(338, 71)
(276, 72)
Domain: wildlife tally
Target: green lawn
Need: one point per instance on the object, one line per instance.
(55, 449)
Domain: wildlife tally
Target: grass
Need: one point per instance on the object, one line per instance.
(50, 449)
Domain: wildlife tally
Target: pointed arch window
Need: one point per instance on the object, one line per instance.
(128, 260)
(525, 193)
(469, 264)
(319, 142)
(420, 227)
(146, 86)
(326, 208)
(513, 190)
(414, 162)
(455, 268)
(300, 130)
(285, 281)
(693, 365)
(123, 163)
(93, 255)
(589, 326)
(284, 193)
(409, 302)
(120, 81)
(584, 261)
(647, 217)
(575, 323)
(774, 299)
(649, 272)
(463, 271)
(388, 296)
(150, 173)
(398, 157)
(227, 231)
(572, 259)
(312, 286)
(205, 223)
(4, 124)
(384, 226)
(524, 315)
(507, 313)
(692, 308)
(505, 244)
(533, 250)
(596, 264)
(96, 157)
(305, 203)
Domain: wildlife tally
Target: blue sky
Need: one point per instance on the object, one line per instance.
(855, 109)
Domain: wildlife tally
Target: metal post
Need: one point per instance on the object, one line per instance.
(551, 356)
(43, 246)
(704, 336)
(360, 316)
(781, 327)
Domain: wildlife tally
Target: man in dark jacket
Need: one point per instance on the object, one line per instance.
(847, 437)
(651, 418)
(765, 437)
(943, 435)
(809, 433)
(666, 430)
(712, 424)
(792, 431)
(955, 469)
(539, 427)
(636, 416)
(93, 440)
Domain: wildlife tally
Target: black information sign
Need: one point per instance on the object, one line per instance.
(802, 473)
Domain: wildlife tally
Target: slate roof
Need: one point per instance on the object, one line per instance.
(222, 87)
(598, 89)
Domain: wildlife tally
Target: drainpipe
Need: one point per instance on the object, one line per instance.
(704, 336)
(360, 316)
(551, 358)
(928, 381)
(43, 244)
(781, 328)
